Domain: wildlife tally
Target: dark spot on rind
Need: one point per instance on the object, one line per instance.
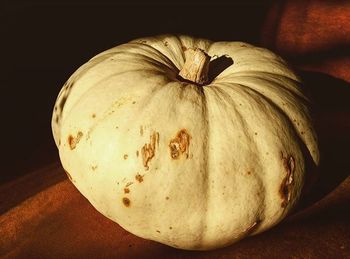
(126, 190)
(158, 231)
(126, 202)
(286, 185)
(137, 153)
(125, 156)
(167, 198)
(94, 167)
(141, 130)
(180, 144)
(149, 149)
(128, 184)
(73, 141)
(93, 115)
(139, 178)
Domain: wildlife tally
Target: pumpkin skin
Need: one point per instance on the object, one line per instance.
(194, 167)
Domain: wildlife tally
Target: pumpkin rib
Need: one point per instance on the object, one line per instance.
(302, 143)
(87, 92)
(67, 89)
(304, 134)
(271, 78)
(221, 95)
(242, 121)
(248, 93)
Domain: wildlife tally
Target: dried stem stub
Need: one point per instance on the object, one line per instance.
(196, 66)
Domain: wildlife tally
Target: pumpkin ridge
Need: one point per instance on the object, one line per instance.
(273, 79)
(220, 95)
(302, 134)
(167, 62)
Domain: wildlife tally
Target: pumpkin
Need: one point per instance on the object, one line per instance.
(191, 143)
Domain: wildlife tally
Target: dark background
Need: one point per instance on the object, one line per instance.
(44, 42)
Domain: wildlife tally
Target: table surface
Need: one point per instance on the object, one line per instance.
(44, 216)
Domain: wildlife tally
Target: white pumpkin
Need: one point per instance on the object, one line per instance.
(194, 165)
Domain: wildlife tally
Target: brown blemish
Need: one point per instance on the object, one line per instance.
(167, 198)
(93, 115)
(184, 48)
(125, 156)
(139, 178)
(170, 228)
(126, 190)
(69, 176)
(256, 133)
(142, 41)
(137, 153)
(248, 172)
(94, 167)
(126, 202)
(149, 149)
(180, 144)
(158, 231)
(141, 130)
(166, 43)
(128, 184)
(73, 141)
(286, 185)
(133, 102)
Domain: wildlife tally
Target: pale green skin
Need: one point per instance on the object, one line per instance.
(244, 126)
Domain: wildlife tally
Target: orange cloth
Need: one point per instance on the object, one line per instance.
(314, 35)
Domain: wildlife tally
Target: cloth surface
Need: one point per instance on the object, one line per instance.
(53, 220)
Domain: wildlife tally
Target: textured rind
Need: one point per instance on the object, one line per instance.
(194, 167)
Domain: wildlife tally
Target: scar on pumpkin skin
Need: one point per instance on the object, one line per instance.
(286, 185)
(73, 141)
(94, 167)
(126, 190)
(180, 144)
(149, 149)
(128, 184)
(126, 202)
(125, 156)
(139, 178)
(252, 227)
(141, 130)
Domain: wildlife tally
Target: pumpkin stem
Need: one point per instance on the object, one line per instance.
(196, 66)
